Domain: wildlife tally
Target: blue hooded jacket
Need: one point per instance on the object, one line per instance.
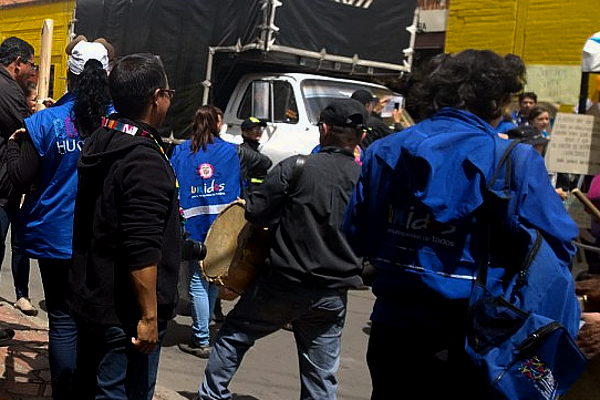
(208, 181)
(413, 212)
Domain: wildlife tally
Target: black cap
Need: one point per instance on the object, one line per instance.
(363, 96)
(527, 134)
(252, 122)
(344, 112)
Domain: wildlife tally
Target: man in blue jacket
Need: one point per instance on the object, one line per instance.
(414, 216)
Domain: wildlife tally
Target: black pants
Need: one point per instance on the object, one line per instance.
(430, 364)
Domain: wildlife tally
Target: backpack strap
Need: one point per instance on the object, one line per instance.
(297, 170)
(505, 162)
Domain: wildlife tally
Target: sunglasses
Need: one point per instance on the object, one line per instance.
(31, 63)
(169, 92)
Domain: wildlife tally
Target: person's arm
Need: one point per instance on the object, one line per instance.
(265, 203)
(22, 159)
(255, 163)
(354, 225)
(144, 286)
(145, 201)
(542, 209)
(13, 110)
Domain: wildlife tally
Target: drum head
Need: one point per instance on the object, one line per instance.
(222, 241)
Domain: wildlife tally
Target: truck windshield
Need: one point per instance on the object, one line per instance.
(317, 93)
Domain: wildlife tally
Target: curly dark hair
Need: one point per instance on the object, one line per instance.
(479, 81)
(92, 97)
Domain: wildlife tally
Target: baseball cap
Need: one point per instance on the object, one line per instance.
(527, 134)
(363, 96)
(344, 112)
(252, 122)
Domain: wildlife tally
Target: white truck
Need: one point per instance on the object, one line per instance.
(279, 60)
(291, 103)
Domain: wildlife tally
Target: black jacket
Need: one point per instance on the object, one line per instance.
(308, 246)
(126, 216)
(13, 109)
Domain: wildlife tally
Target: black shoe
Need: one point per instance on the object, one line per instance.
(192, 348)
(6, 334)
(288, 327)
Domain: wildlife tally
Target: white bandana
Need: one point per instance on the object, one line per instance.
(84, 51)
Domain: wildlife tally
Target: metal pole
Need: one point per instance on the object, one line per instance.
(583, 92)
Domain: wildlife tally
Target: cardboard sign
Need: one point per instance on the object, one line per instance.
(575, 145)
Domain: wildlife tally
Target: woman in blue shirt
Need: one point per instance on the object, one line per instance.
(42, 160)
(208, 172)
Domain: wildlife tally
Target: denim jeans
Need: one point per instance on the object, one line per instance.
(62, 347)
(203, 296)
(109, 368)
(317, 316)
(9, 215)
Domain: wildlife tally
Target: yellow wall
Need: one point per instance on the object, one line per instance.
(548, 34)
(25, 22)
(541, 31)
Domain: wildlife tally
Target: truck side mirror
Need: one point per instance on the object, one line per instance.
(261, 100)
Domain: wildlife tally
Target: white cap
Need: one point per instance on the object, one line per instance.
(84, 51)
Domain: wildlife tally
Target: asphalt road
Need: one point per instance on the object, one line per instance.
(269, 370)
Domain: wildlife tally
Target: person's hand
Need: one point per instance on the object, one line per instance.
(48, 102)
(588, 339)
(397, 115)
(17, 135)
(147, 336)
(563, 195)
(590, 288)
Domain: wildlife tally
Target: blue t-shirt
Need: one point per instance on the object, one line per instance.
(47, 214)
(208, 181)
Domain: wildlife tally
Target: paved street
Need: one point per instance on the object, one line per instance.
(269, 370)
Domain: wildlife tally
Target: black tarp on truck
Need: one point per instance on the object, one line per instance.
(351, 38)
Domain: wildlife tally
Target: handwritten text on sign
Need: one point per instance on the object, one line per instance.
(575, 144)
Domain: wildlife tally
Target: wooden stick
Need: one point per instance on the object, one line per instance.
(589, 206)
(45, 62)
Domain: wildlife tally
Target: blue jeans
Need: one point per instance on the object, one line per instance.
(203, 296)
(109, 368)
(9, 215)
(62, 347)
(317, 316)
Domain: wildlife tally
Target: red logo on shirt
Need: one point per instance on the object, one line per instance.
(206, 171)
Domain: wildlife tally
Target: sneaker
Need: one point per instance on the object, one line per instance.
(25, 306)
(6, 334)
(288, 327)
(192, 348)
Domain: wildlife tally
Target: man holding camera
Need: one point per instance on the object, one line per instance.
(126, 238)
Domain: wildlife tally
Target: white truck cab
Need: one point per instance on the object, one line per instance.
(291, 104)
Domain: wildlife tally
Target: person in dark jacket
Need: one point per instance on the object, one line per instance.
(126, 238)
(414, 215)
(376, 128)
(253, 173)
(311, 268)
(16, 70)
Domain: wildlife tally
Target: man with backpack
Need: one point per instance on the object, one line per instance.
(302, 201)
(416, 216)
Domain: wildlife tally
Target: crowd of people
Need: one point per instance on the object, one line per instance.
(91, 193)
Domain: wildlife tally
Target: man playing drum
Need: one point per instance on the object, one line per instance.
(311, 265)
